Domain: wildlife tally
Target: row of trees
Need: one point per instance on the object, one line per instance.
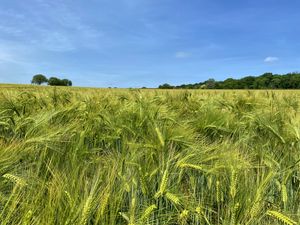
(52, 81)
(265, 81)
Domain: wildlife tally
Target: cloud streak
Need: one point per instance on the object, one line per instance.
(182, 55)
(271, 59)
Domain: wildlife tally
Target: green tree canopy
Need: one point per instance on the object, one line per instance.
(265, 81)
(54, 81)
(39, 79)
(165, 86)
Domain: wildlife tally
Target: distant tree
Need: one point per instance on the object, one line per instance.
(39, 79)
(264, 81)
(247, 82)
(210, 83)
(54, 81)
(66, 82)
(165, 86)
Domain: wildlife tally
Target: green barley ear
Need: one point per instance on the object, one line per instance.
(233, 182)
(160, 137)
(143, 184)
(257, 201)
(233, 214)
(148, 212)
(15, 179)
(163, 185)
(218, 190)
(104, 203)
(281, 217)
(69, 198)
(284, 194)
(153, 173)
(183, 216)
(255, 208)
(86, 210)
(191, 166)
(124, 216)
(173, 198)
(132, 211)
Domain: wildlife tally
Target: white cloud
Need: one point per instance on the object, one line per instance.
(271, 59)
(182, 55)
(51, 26)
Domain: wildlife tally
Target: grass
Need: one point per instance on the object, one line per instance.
(117, 156)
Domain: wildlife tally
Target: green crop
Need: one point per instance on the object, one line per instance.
(117, 156)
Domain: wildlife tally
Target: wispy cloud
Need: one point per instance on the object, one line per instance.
(181, 55)
(271, 59)
(50, 26)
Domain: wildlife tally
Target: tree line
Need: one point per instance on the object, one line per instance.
(264, 81)
(52, 81)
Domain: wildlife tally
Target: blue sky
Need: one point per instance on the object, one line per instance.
(135, 43)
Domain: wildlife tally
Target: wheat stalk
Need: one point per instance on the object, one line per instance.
(148, 212)
(281, 217)
(173, 198)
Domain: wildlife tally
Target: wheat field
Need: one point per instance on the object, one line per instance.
(134, 157)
